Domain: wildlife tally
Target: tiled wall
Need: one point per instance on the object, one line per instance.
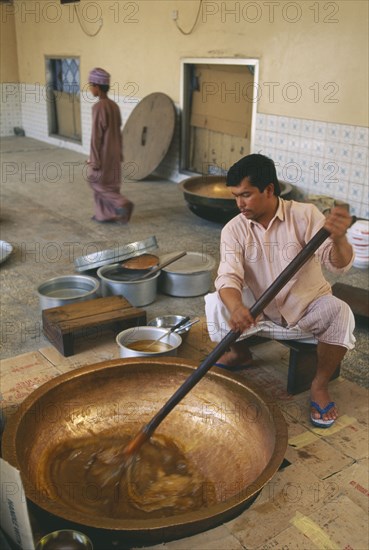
(315, 157)
(318, 157)
(10, 111)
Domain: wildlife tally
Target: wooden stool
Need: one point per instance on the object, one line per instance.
(61, 325)
(302, 366)
(302, 363)
(303, 358)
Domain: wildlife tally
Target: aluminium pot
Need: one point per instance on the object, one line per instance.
(188, 277)
(67, 289)
(138, 292)
(228, 428)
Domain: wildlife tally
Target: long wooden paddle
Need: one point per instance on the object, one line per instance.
(302, 257)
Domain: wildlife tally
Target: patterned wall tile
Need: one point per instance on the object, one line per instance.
(359, 175)
(307, 128)
(345, 152)
(282, 124)
(360, 155)
(261, 122)
(333, 132)
(356, 192)
(320, 129)
(331, 150)
(294, 126)
(347, 134)
(10, 108)
(361, 136)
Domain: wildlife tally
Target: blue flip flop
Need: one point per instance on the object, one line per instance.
(319, 422)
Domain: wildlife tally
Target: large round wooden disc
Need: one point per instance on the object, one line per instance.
(147, 135)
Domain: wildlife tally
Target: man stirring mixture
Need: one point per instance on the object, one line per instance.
(256, 246)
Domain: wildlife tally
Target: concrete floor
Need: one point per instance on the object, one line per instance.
(46, 208)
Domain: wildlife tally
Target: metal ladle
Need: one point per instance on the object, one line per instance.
(160, 266)
(123, 274)
(185, 323)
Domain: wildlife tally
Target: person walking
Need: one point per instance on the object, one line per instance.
(104, 163)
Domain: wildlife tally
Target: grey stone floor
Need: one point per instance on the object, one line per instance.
(46, 208)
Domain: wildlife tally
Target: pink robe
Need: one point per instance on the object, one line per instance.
(104, 170)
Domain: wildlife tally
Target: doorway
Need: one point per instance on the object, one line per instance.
(63, 97)
(218, 101)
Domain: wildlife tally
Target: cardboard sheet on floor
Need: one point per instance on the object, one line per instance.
(319, 498)
(103, 349)
(21, 375)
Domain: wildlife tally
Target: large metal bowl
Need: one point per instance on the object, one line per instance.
(235, 435)
(210, 198)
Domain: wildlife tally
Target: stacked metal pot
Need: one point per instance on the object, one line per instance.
(188, 276)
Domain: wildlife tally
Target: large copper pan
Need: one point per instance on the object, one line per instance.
(210, 198)
(236, 436)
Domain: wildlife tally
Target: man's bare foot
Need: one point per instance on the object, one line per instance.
(237, 357)
(320, 396)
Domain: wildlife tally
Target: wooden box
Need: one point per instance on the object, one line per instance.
(61, 325)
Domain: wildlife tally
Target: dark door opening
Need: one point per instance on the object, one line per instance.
(63, 94)
(218, 113)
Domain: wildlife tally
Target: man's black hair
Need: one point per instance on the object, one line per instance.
(103, 87)
(259, 169)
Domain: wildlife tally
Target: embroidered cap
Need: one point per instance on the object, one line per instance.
(99, 76)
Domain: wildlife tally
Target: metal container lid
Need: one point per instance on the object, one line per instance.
(113, 255)
(193, 262)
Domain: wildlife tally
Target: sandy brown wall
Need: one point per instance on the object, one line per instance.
(8, 46)
(313, 54)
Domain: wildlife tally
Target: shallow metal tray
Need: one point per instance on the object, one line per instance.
(113, 255)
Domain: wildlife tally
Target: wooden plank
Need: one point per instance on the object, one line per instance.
(99, 319)
(85, 309)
